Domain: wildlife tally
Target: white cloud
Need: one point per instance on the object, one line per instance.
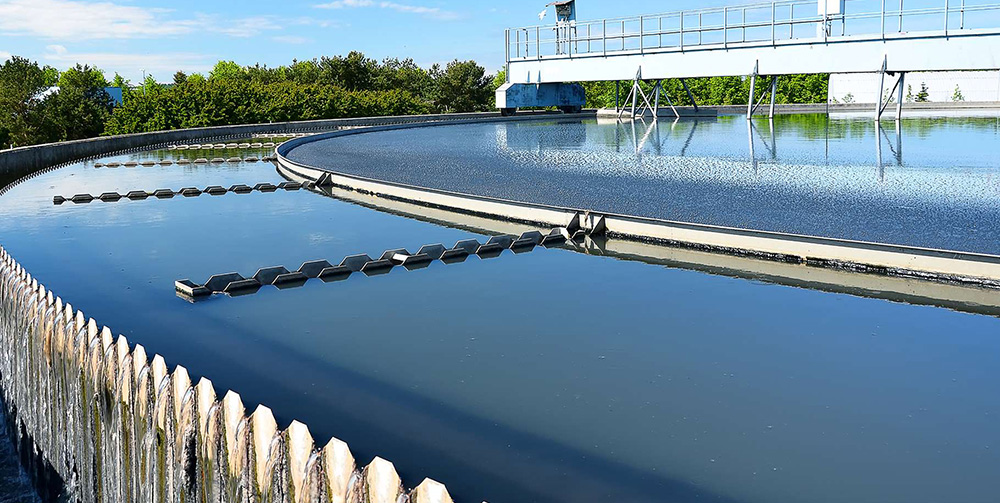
(241, 27)
(4, 56)
(86, 20)
(431, 12)
(162, 65)
(71, 19)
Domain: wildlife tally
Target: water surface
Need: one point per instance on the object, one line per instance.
(551, 376)
(933, 183)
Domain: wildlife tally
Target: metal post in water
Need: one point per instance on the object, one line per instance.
(899, 97)
(753, 82)
(878, 96)
(774, 93)
(618, 88)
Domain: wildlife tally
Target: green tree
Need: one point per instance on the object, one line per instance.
(180, 77)
(22, 107)
(499, 79)
(227, 70)
(462, 86)
(81, 106)
(353, 72)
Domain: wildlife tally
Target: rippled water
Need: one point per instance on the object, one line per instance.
(934, 183)
(551, 376)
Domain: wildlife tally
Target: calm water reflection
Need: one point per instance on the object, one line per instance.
(932, 183)
(550, 376)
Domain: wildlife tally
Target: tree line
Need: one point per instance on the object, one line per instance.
(323, 88)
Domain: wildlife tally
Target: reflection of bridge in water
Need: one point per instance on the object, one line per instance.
(674, 138)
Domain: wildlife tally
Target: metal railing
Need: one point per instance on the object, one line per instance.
(772, 23)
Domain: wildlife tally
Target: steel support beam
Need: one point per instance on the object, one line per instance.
(690, 96)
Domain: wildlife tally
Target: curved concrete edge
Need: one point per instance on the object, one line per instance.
(876, 258)
(119, 425)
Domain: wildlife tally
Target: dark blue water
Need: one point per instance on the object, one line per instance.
(934, 185)
(15, 487)
(550, 376)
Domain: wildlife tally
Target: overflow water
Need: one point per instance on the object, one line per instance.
(555, 376)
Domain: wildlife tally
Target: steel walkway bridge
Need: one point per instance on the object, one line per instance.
(754, 40)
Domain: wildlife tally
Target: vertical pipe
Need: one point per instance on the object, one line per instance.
(604, 36)
(635, 94)
(774, 93)
(753, 82)
(623, 35)
(517, 42)
(878, 96)
(538, 43)
(618, 89)
(961, 17)
(682, 31)
(899, 96)
(659, 32)
(743, 36)
(588, 38)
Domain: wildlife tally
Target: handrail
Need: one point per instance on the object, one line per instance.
(687, 29)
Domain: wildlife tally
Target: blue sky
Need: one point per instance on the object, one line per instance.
(162, 36)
